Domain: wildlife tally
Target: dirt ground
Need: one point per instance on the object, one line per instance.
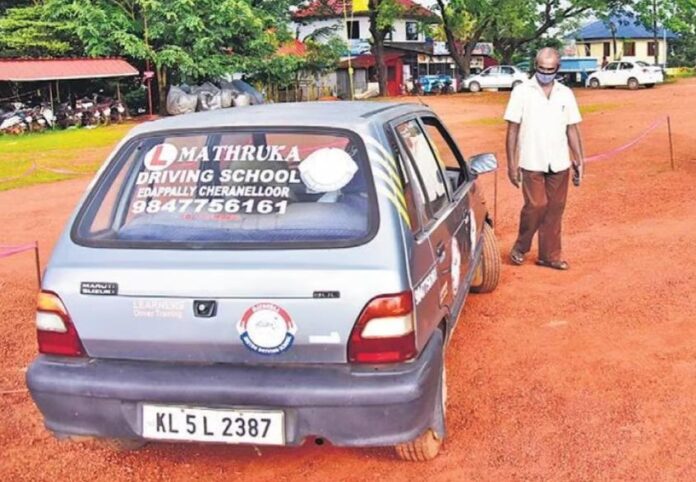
(588, 374)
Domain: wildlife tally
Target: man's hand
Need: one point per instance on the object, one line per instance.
(575, 144)
(578, 172)
(515, 176)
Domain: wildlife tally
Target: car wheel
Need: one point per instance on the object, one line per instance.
(488, 270)
(594, 83)
(515, 84)
(474, 87)
(428, 444)
(633, 83)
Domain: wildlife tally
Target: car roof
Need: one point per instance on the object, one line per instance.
(338, 114)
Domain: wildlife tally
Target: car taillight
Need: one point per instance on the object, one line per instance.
(384, 332)
(55, 331)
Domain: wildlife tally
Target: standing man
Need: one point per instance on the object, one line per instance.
(543, 120)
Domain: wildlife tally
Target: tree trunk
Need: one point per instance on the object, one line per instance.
(161, 73)
(378, 48)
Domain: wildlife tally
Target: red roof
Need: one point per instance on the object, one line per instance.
(30, 70)
(295, 48)
(334, 8)
(368, 60)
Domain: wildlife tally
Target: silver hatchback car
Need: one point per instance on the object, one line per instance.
(266, 275)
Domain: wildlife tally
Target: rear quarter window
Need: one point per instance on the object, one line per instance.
(261, 188)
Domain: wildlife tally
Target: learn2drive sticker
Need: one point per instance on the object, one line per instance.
(266, 328)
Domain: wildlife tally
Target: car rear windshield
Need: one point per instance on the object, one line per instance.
(243, 188)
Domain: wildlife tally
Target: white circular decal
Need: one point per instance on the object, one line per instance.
(267, 329)
(328, 169)
(456, 266)
(161, 157)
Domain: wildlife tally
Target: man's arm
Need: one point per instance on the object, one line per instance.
(576, 150)
(511, 147)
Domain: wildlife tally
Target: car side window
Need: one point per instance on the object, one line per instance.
(626, 66)
(613, 66)
(413, 194)
(446, 151)
(487, 71)
(428, 167)
(507, 70)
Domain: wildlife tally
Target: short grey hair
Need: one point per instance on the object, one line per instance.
(545, 52)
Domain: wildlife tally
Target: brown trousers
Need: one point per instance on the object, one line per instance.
(544, 201)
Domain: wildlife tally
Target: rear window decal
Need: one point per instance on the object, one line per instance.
(267, 329)
(259, 188)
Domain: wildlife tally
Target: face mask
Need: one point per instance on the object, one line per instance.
(545, 79)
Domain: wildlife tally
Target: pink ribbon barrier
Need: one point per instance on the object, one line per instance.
(6, 251)
(618, 150)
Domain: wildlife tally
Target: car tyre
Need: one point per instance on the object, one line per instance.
(474, 87)
(633, 83)
(515, 84)
(594, 83)
(488, 270)
(428, 444)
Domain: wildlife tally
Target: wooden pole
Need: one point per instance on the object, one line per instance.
(118, 90)
(58, 91)
(50, 94)
(671, 144)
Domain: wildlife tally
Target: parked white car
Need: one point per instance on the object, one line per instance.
(499, 77)
(626, 73)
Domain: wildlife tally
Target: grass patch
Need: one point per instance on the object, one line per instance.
(30, 157)
(600, 107)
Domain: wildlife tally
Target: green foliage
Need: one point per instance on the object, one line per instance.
(197, 39)
(388, 11)
(323, 58)
(24, 32)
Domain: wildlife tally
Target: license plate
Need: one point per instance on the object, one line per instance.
(259, 427)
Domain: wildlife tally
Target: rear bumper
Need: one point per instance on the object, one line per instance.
(347, 406)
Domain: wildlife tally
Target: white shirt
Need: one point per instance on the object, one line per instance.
(543, 142)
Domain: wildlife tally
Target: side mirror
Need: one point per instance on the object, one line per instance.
(483, 163)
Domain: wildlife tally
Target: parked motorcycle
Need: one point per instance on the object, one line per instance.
(15, 119)
(65, 116)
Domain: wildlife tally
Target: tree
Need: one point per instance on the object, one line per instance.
(464, 22)
(537, 17)
(675, 15)
(382, 13)
(25, 33)
(189, 39)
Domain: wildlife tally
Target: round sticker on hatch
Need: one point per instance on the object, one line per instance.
(456, 266)
(161, 157)
(267, 329)
(327, 169)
